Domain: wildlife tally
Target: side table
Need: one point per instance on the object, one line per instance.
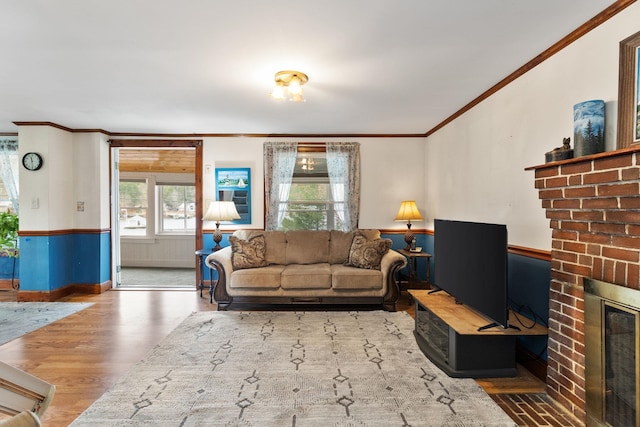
(412, 258)
(202, 255)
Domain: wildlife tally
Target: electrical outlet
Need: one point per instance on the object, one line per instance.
(35, 203)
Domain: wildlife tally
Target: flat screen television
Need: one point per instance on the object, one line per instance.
(470, 264)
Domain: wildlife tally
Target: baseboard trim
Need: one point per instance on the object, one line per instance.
(5, 284)
(56, 294)
(534, 364)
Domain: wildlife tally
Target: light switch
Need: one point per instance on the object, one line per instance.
(35, 203)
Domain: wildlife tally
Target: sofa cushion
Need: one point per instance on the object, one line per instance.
(365, 253)
(309, 276)
(307, 247)
(248, 253)
(256, 278)
(339, 246)
(352, 278)
(369, 233)
(274, 241)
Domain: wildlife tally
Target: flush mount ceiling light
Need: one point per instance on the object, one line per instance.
(289, 86)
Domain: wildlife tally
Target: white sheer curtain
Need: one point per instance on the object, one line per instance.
(343, 165)
(9, 170)
(279, 162)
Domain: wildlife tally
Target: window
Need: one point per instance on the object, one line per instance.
(310, 205)
(178, 208)
(133, 207)
(152, 205)
(312, 188)
(9, 164)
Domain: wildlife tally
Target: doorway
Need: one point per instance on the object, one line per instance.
(156, 195)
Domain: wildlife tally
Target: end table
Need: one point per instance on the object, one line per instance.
(413, 280)
(202, 255)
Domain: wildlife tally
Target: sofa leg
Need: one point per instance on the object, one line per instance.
(389, 306)
(223, 306)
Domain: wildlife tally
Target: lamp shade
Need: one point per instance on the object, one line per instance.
(221, 211)
(408, 212)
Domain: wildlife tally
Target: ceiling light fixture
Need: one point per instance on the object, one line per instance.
(289, 86)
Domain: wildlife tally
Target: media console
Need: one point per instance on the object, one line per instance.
(448, 334)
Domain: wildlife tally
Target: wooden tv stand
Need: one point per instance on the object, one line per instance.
(447, 333)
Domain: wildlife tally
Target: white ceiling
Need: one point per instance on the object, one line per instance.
(207, 66)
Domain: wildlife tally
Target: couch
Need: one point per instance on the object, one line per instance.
(307, 267)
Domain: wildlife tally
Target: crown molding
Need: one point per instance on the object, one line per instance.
(220, 135)
(591, 24)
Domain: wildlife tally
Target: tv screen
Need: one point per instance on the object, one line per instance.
(470, 264)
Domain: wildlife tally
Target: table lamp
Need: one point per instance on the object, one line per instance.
(408, 212)
(220, 211)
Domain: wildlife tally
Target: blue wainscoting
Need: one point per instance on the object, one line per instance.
(529, 281)
(7, 267)
(425, 241)
(53, 262)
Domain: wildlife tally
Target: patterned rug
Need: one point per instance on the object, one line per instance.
(19, 318)
(292, 369)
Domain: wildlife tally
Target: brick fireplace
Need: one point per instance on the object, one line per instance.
(593, 204)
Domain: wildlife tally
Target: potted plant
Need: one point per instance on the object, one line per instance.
(9, 240)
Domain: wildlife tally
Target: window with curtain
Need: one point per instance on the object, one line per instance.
(9, 164)
(315, 189)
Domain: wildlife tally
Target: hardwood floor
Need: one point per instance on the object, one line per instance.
(85, 353)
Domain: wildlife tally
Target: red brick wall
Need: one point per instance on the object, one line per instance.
(593, 204)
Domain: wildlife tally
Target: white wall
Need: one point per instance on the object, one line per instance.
(46, 203)
(91, 181)
(76, 168)
(475, 165)
(391, 171)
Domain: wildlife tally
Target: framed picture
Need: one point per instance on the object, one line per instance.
(628, 92)
(234, 184)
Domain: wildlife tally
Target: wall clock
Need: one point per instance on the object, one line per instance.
(32, 161)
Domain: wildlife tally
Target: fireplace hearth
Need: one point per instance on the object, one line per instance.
(612, 316)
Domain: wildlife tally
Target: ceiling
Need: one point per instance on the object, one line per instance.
(207, 66)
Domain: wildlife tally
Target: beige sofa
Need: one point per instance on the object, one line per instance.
(307, 267)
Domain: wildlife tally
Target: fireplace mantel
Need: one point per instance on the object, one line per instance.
(603, 155)
(593, 206)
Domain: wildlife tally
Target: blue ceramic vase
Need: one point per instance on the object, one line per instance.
(588, 128)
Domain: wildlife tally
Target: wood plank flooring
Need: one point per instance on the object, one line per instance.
(85, 353)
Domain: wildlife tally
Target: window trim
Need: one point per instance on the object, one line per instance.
(159, 201)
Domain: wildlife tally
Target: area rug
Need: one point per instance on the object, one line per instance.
(293, 369)
(19, 318)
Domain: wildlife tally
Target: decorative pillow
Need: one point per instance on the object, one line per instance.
(248, 253)
(365, 253)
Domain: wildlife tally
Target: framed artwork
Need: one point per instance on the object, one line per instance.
(629, 92)
(234, 184)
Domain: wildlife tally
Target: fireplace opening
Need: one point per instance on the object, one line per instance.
(612, 316)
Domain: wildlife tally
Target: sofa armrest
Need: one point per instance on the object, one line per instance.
(221, 262)
(390, 264)
(222, 258)
(390, 258)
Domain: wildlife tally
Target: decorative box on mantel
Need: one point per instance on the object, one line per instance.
(593, 204)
